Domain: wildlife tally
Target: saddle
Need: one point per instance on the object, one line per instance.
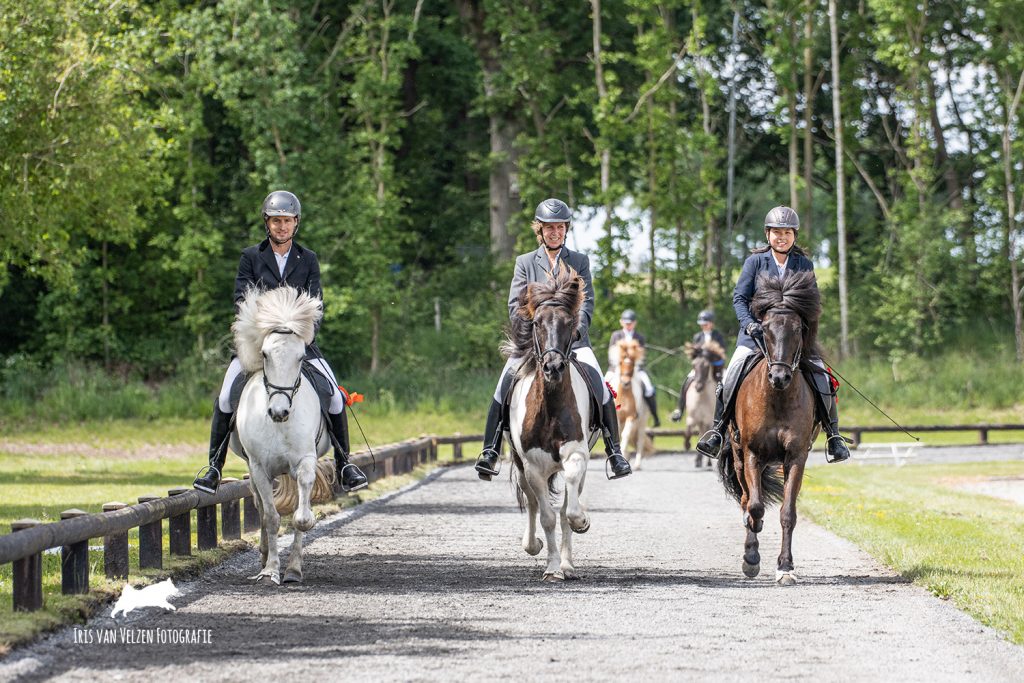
(807, 369)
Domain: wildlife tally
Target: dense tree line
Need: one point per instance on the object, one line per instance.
(137, 140)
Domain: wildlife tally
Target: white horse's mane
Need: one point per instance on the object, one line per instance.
(260, 313)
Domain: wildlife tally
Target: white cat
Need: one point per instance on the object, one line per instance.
(156, 595)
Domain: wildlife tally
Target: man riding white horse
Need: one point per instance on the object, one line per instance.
(276, 262)
(628, 322)
(707, 334)
(551, 222)
(777, 260)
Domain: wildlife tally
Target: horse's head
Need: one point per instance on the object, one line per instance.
(630, 355)
(272, 330)
(704, 356)
(546, 324)
(789, 309)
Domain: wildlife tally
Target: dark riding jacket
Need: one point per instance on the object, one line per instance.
(535, 267)
(716, 336)
(258, 268)
(619, 335)
(746, 285)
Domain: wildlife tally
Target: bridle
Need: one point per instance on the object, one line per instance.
(287, 392)
(562, 353)
(764, 345)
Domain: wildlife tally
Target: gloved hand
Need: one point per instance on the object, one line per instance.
(755, 330)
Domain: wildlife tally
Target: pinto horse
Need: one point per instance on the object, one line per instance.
(549, 417)
(775, 423)
(633, 412)
(700, 396)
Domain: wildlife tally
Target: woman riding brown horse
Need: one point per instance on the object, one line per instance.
(775, 415)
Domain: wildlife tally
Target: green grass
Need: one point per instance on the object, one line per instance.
(961, 546)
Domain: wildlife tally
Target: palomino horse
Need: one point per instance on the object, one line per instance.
(700, 397)
(775, 414)
(633, 411)
(549, 417)
(279, 428)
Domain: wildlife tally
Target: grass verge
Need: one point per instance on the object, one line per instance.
(961, 546)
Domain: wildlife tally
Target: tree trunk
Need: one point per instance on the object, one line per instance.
(807, 213)
(794, 165)
(374, 340)
(503, 126)
(844, 343)
(1011, 217)
(602, 143)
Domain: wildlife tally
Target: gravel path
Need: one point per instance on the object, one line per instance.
(431, 584)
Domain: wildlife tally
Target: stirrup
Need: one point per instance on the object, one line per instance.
(844, 440)
(341, 479)
(714, 455)
(199, 475)
(484, 471)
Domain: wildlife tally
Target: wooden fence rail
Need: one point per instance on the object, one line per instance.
(856, 432)
(23, 547)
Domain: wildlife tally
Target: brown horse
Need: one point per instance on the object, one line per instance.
(700, 396)
(775, 422)
(633, 411)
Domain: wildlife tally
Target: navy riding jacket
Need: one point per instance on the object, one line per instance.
(745, 287)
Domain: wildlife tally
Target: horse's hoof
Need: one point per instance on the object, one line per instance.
(553, 577)
(292, 576)
(583, 528)
(785, 578)
(535, 547)
(275, 577)
(751, 570)
(570, 575)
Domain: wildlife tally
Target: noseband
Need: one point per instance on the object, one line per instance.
(287, 392)
(764, 345)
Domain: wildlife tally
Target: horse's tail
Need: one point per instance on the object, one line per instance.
(772, 484)
(286, 493)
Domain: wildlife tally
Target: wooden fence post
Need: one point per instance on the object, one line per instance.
(180, 528)
(74, 562)
(151, 541)
(230, 516)
(457, 447)
(28, 574)
(115, 548)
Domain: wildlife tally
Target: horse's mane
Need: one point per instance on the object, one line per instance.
(712, 347)
(260, 313)
(567, 291)
(797, 292)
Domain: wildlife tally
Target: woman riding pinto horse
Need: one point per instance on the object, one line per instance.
(279, 261)
(551, 221)
(778, 260)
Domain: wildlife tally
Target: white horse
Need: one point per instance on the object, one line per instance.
(279, 428)
(549, 419)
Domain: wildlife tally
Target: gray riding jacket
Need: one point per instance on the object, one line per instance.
(535, 267)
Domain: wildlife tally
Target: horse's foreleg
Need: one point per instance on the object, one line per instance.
(305, 476)
(754, 519)
(787, 516)
(293, 570)
(531, 544)
(271, 521)
(750, 482)
(574, 515)
(548, 520)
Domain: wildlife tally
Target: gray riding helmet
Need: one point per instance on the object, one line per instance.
(628, 316)
(705, 317)
(782, 217)
(553, 211)
(281, 203)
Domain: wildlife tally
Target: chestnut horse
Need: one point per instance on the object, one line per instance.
(775, 422)
(549, 417)
(700, 396)
(633, 411)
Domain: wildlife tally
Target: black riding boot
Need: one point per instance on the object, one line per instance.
(350, 476)
(677, 414)
(487, 464)
(836, 449)
(220, 430)
(713, 440)
(610, 430)
(652, 405)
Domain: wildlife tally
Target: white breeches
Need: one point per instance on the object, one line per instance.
(235, 368)
(584, 354)
(640, 375)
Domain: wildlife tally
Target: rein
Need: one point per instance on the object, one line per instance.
(287, 392)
